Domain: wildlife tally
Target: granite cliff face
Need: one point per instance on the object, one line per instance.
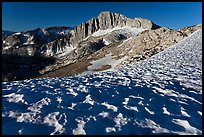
(108, 20)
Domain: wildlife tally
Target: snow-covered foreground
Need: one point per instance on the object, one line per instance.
(161, 95)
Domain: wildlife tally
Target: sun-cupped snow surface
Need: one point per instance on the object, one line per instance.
(160, 95)
(125, 29)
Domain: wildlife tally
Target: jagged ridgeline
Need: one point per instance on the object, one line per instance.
(111, 36)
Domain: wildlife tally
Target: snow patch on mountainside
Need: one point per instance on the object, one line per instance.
(106, 42)
(107, 60)
(65, 52)
(125, 29)
(18, 33)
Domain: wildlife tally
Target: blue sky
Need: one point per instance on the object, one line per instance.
(21, 16)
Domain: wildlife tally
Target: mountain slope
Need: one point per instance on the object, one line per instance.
(159, 95)
(46, 51)
(114, 52)
(36, 37)
(65, 45)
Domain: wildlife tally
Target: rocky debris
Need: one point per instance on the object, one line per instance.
(69, 59)
(191, 29)
(90, 47)
(150, 42)
(104, 67)
(144, 45)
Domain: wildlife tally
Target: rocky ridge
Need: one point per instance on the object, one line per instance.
(135, 48)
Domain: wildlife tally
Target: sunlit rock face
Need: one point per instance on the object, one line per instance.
(109, 20)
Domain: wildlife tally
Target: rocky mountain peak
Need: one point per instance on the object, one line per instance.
(108, 13)
(105, 12)
(109, 20)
